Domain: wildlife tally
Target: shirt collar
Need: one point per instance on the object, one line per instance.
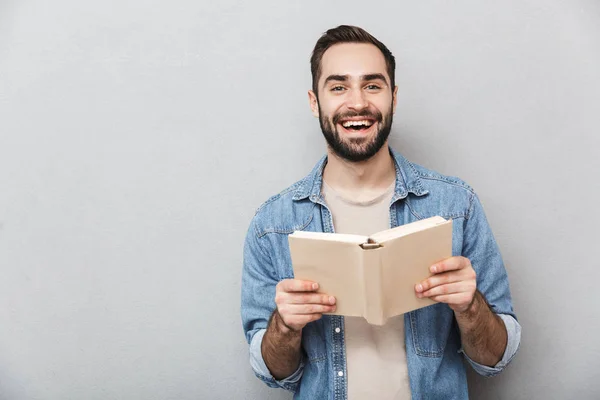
(407, 180)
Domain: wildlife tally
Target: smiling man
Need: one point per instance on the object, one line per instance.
(363, 186)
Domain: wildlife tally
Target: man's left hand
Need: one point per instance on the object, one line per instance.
(453, 282)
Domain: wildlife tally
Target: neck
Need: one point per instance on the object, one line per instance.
(374, 174)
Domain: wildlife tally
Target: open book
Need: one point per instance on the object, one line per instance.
(372, 276)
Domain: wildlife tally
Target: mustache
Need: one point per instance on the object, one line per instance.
(365, 113)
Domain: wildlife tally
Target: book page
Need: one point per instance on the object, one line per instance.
(406, 261)
(335, 266)
(338, 237)
(407, 229)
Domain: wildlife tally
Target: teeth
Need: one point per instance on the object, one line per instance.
(357, 123)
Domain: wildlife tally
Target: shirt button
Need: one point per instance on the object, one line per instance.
(337, 330)
(340, 373)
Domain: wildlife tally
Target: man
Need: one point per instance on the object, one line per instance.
(363, 186)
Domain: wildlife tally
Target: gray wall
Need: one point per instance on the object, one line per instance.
(138, 137)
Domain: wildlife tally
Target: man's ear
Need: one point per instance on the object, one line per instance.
(395, 98)
(314, 103)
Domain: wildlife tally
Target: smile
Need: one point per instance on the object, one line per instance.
(357, 125)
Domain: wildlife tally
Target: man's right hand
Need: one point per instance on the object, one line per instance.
(298, 303)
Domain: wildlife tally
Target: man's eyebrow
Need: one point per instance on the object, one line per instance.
(339, 78)
(374, 77)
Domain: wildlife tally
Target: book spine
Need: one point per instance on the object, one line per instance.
(373, 288)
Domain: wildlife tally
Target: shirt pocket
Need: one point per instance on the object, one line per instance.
(430, 328)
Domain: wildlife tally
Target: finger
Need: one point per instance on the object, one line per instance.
(436, 280)
(453, 299)
(301, 320)
(450, 288)
(309, 298)
(297, 285)
(450, 264)
(302, 309)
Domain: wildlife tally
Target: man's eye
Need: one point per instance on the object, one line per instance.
(337, 88)
(373, 87)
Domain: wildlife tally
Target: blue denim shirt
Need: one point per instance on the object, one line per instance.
(433, 346)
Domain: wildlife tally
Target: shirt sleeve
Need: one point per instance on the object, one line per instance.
(513, 330)
(259, 279)
(480, 247)
(262, 372)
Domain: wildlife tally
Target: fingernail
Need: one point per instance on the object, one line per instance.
(419, 288)
(331, 300)
(434, 269)
(315, 286)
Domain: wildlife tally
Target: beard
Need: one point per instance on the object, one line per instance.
(356, 149)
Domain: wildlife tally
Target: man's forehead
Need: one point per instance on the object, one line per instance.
(353, 60)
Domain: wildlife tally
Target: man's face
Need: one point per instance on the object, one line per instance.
(354, 102)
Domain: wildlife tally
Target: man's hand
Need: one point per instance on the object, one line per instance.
(298, 303)
(482, 332)
(454, 283)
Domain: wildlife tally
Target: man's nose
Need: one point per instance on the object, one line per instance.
(357, 100)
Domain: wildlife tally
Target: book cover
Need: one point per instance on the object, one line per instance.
(372, 276)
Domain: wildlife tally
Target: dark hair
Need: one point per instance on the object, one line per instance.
(347, 34)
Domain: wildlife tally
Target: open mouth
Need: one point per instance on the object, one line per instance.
(358, 125)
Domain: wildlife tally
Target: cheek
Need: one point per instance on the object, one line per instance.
(330, 107)
(383, 105)
(328, 116)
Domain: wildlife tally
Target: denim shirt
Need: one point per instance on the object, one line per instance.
(433, 347)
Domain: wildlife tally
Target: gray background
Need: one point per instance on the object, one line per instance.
(138, 137)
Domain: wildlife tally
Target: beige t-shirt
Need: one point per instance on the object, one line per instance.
(375, 355)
